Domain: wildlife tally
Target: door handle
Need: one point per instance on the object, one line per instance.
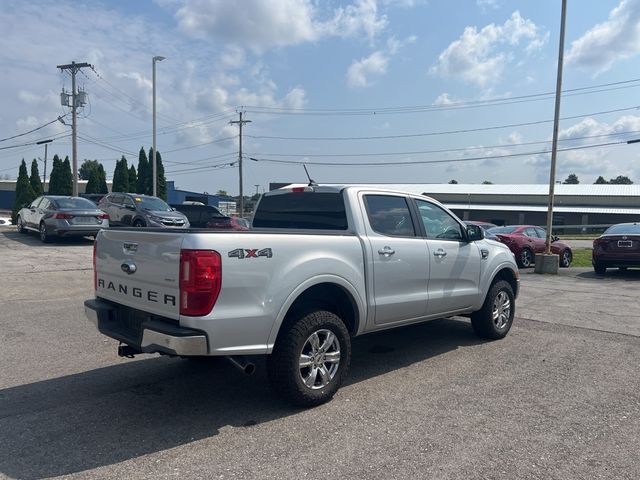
(440, 253)
(386, 251)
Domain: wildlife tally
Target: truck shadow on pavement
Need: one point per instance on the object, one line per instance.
(109, 415)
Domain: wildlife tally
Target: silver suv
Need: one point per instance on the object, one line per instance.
(134, 210)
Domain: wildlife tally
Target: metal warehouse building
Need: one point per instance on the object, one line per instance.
(574, 205)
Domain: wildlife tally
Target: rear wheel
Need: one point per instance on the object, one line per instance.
(493, 321)
(139, 223)
(20, 225)
(599, 268)
(526, 258)
(44, 235)
(311, 359)
(565, 258)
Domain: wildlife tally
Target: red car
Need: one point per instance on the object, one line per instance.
(618, 246)
(527, 240)
(227, 223)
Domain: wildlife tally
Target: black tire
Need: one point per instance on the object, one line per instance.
(566, 257)
(493, 321)
(20, 225)
(44, 235)
(525, 259)
(139, 223)
(599, 268)
(304, 385)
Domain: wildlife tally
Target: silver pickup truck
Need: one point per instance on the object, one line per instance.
(322, 264)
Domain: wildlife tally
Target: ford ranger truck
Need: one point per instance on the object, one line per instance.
(321, 265)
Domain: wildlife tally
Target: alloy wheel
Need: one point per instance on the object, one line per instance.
(501, 311)
(319, 359)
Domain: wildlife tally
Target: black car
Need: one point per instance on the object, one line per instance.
(618, 246)
(135, 210)
(208, 216)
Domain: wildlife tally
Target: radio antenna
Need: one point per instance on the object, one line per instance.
(311, 182)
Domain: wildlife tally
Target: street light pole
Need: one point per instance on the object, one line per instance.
(155, 59)
(46, 144)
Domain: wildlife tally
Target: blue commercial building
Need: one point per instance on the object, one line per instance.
(175, 197)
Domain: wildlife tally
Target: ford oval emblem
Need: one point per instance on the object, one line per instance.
(129, 268)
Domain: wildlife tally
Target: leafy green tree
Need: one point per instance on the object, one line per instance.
(92, 184)
(453, 181)
(84, 172)
(133, 179)
(222, 193)
(66, 178)
(621, 180)
(600, 181)
(572, 179)
(143, 171)
(54, 177)
(34, 179)
(121, 176)
(24, 192)
(487, 182)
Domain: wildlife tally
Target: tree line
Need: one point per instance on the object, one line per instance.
(125, 178)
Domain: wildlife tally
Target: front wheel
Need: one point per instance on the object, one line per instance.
(599, 268)
(44, 235)
(526, 258)
(493, 321)
(139, 224)
(565, 258)
(20, 225)
(311, 359)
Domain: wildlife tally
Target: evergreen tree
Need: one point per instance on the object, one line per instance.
(66, 178)
(162, 180)
(102, 180)
(84, 172)
(143, 171)
(572, 179)
(34, 179)
(600, 181)
(24, 192)
(54, 177)
(161, 184)
(133, 179)
(621, 180)
(92, 184)
(121, 176)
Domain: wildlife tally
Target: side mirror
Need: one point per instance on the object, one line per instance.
(474, 232)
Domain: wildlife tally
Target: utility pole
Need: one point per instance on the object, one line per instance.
(155, 59)
(44, 177)
(240, 123)
(75, 68)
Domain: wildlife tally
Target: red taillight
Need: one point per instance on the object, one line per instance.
(95, 273)
(200, 281)
(103, 216)
(63, 216)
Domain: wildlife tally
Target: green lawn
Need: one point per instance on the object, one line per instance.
(581, 257)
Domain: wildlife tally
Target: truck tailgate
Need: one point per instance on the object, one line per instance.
(140, 269)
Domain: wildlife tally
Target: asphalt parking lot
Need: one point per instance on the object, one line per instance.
(559, 398)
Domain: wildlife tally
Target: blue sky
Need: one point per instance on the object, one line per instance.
(363, 91)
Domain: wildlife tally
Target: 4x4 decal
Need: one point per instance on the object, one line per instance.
(250, 253)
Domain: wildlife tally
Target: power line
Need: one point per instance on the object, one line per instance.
(443, 150)
(60, 117)
(450, 160)
(31, 143)
(446, 132)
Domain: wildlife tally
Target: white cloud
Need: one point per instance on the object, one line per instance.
(233, 57)
(265, 24)
(444, 99)
(475, 56)
(616, 39)
(359, 71)
(488, 4)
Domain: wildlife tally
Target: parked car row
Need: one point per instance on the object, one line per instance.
(59, 216)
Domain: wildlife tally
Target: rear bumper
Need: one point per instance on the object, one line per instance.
(143, 331)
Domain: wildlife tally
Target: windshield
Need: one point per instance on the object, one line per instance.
(152, 203)
(623, 229)
(74, 203)
(496, 230)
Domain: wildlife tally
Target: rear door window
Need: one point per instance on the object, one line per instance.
(389, 215)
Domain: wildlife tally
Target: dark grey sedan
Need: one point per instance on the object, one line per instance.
(57, 216)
